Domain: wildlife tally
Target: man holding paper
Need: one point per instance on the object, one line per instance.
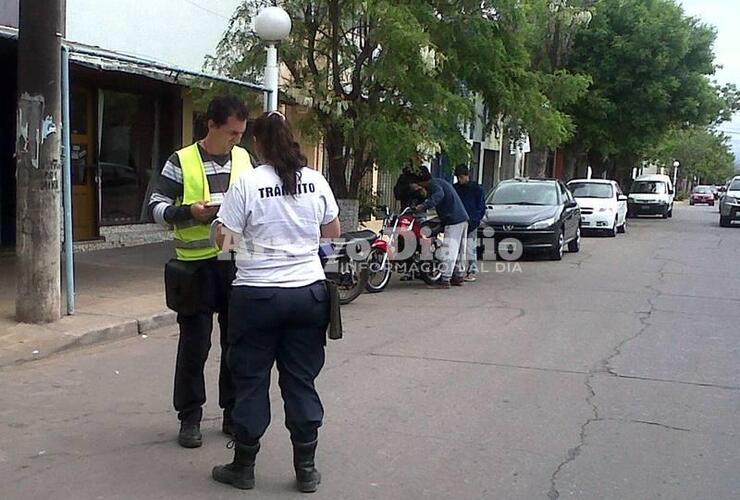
(187, 196)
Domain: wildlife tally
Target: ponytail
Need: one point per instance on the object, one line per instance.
(280, 149)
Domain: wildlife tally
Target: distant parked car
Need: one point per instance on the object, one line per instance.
(541, 214)
(702, 194)
(729, 204)
(603, 205)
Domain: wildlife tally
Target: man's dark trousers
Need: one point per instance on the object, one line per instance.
(195, 342)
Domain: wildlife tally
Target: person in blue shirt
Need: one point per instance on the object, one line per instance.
(451, 211)
(474, 198)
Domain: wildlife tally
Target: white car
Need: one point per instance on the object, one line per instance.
(603, 205)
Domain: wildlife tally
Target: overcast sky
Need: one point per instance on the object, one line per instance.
(724, 15)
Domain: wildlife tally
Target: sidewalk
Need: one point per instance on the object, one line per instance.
(120, 293)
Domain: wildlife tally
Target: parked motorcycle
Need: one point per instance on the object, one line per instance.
(391, 253)
(344, 262)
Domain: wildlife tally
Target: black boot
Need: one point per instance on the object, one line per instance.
(190, 436)
(306, 475)
(240, 472)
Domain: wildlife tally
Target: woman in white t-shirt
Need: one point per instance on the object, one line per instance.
(279, 308)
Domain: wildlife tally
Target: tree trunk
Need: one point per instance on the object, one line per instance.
(360, 167)
(337, 162)
(537, 163)
(575, 161)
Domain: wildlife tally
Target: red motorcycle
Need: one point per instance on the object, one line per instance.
(407, 244)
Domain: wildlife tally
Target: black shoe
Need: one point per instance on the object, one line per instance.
(190, 436)
(306, 475)
(240, 472)
(227, 426)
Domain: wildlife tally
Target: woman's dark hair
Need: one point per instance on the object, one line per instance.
(222, 107)
(279, 148)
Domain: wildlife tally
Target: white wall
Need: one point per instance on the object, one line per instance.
(178, 32)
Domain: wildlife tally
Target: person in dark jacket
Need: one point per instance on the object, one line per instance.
(409, 197)
(473, 197)
(451, 211)
(402, 190)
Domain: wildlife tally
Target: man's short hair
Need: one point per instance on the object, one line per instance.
(424, 175)
(462, 169)
(222, 107)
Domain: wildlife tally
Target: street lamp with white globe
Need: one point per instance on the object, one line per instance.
(676, 164)
(272, 25)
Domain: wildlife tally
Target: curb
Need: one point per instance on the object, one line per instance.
(33, 342)
(149, 323)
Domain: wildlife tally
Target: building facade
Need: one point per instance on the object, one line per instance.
(131, 104)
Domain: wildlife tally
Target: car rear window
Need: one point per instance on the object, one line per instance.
(524, 193)
(648, 187)
(591, 190)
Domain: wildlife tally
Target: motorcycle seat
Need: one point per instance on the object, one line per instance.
(365, 234)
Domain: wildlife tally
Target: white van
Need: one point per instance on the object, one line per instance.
(651, 195)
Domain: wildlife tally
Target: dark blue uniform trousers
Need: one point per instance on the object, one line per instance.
(283, 326)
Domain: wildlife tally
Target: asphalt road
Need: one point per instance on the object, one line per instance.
(613, 374)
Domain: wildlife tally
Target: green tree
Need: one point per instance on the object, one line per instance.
(384, 78)
(703, 153)
(554, 25)
(650, 66)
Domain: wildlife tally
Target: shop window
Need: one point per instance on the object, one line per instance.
(126, 154)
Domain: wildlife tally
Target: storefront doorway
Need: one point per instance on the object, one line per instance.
(84, 164)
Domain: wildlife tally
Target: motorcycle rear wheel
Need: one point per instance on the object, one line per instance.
(351, 286)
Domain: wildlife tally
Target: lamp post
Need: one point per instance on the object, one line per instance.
(676, 164)
(272, 25)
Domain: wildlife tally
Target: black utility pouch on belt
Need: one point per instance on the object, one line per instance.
(335, 330)
(183, 285)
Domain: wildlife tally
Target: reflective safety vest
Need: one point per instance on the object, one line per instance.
(193, 238)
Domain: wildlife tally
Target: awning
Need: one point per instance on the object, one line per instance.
(108, 60)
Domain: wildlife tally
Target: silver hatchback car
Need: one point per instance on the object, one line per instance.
(729, 203)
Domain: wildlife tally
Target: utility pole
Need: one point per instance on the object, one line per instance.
(38, 167)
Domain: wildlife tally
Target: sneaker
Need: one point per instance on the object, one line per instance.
(441, 285)
(457, 281)
(470, 278)
(190, 436)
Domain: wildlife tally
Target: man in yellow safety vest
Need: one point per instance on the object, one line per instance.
(186, 196)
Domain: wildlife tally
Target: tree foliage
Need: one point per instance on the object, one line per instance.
(650, 66)
(385, 78)
(554, 25)
(703, 153)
